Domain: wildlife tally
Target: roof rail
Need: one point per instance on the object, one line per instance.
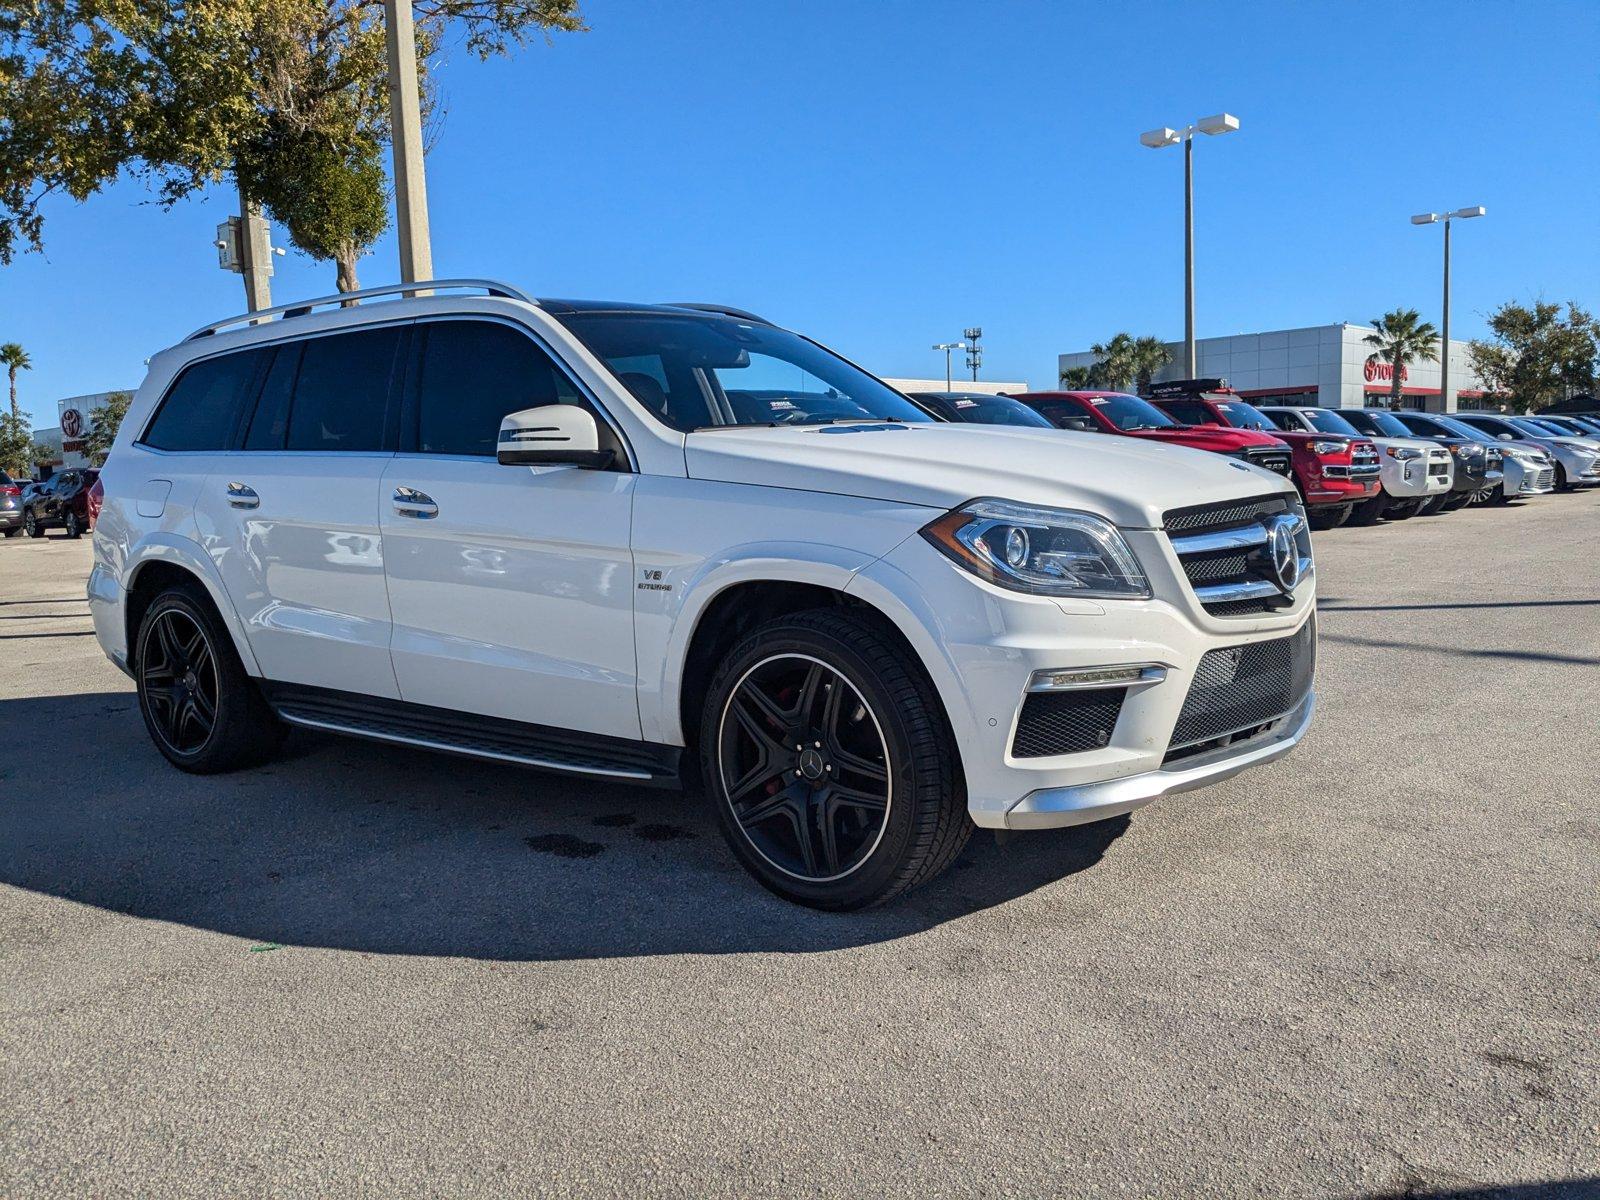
(722, 309)
(302, 307)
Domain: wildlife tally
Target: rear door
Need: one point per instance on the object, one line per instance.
(511, 587)
(290, 516)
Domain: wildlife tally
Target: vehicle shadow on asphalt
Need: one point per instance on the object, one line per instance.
(357, 846)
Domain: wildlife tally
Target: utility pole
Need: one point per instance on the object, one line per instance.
(405, 119)
(947, 347)
(1447, 398)
(974, 350)
(244, 246)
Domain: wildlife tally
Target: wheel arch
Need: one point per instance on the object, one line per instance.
(164, 562)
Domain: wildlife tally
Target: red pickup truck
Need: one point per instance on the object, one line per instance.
(1333, 472)
(1118, 412)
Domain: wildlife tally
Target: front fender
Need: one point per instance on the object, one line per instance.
(671, 624)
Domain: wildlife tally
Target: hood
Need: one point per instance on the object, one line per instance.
(1219, 439)
(1423, 444)
(1587, 445)
(940, 466)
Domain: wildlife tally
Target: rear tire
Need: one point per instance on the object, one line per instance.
(830, 762)
(1369, 512)
(1328, 516)
(201, 710)
(13, 531)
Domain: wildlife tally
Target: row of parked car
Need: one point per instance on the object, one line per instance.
(1349, 465)
(68, 500)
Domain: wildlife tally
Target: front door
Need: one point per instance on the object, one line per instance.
(511, 588)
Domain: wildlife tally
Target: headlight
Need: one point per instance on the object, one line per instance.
(1329, 447)
(1041, 551)
(1403, 453)
(1467, 449)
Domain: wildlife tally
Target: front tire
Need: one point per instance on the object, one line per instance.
(1562, 484)
(1370, 512)
(830, 762)
(31, 524)
(200, 708)
(1329, 516)
(74, 527)
(1403, 511)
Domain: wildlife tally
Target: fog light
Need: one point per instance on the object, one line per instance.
(1065, 679)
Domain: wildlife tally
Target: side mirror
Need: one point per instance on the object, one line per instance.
(554, 435)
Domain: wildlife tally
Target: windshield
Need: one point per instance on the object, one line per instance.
(983, 410)
(1533, 428)
(1459, 428)
(706, 372)
(1130, 414)
(1324, 421)
(1381, 423)
(1245, 416)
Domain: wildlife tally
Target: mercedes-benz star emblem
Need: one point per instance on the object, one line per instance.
(1285, 554)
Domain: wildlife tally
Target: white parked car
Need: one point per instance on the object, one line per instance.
(1525, 469)
(1411, 470)
(653, 543)
(1577, 459)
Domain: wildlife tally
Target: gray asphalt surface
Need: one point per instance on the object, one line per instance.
(1368, 970)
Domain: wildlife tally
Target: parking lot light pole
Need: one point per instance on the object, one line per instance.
(947, 347)
(405, 122)
(1155, 139)
(1447, 400)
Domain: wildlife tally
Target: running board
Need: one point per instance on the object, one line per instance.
(493, 738)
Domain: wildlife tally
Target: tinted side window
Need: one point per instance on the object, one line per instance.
(269, 424)
(473, 373)
(202, 407)
(1190, 412)
(342, 393)
(1284, 421)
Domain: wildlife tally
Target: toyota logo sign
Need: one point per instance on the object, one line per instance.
(72, 423)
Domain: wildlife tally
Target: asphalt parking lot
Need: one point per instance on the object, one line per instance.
(1368, 970)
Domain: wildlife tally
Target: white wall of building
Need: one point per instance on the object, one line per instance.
(75, 426)
(1324, 364)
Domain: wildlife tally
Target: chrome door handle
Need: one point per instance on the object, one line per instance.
(409, 502)
(242, 495)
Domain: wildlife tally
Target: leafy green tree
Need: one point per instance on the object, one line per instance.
(1123, 363)
(1537, 356)
(16, 445)
(14, 358)
(1080, 379)
(1402, 337)
(289, 96)
(103, 426)
(1114, 362)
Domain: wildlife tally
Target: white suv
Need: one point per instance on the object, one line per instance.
(676, 542)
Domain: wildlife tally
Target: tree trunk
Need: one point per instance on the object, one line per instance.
(13, 374)
(1394, 386)
(346, 262)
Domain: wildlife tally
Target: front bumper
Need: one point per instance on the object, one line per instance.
(1052, 808)
(1521, 479)
(1411, 480)
(982, 645)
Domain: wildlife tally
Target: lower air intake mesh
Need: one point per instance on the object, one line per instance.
(1066, 722)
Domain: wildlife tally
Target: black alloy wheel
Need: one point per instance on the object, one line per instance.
(178, 682)
(830, 761)
(204, 713)
(804, 768)
(31, 523)
(74, 526)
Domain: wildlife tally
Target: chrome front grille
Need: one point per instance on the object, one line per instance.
(1363, 464)
(1226, 553)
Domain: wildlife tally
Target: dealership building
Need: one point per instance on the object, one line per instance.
(1324, 365)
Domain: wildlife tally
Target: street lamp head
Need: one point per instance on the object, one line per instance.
(1476, 211)
(1157, 138)
(1425, 218)
(1221, 123)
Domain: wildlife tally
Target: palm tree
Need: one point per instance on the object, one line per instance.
(1078, 379)
(15, 359)
(1149, 356)
(1402, 337)
(1114, 361)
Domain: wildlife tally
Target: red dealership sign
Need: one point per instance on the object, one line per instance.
(1376, 371)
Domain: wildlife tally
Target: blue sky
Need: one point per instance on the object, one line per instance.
(882, 173)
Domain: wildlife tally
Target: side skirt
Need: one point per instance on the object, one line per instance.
(493, 738)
